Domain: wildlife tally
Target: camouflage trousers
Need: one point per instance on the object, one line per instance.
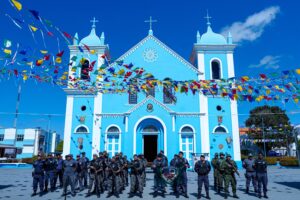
(114, 184)
(136, 183)
(230, 179)
(216, 178)
(220, 180)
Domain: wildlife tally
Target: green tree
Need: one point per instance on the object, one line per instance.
(272, 122)
(59, 147)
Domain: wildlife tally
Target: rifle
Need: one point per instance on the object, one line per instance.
(234, 168)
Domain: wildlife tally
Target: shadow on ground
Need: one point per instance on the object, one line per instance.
(5, 186)
(295, 185)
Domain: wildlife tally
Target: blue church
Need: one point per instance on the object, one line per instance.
(149, 122)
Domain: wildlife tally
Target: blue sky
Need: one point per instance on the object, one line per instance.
(267, 33)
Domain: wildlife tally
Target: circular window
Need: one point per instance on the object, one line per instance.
(219, 108)
(83, 108)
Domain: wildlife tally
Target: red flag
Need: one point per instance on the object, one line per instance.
(47, 57)
(67, 35)
(87, 47)
(50, 34)
(60, 54)
(263, 76)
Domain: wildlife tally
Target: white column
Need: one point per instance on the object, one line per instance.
(68, 126)
(203, 105)
(201, 66)
(173, 123)
(230, 64)
(204, 124)
(97, 123)
(126, 124)
(235, 131)
(53, 144)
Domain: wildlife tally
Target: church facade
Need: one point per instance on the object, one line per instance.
(149, 122)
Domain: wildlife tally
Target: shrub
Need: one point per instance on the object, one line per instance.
(271, 160)
(289, 161)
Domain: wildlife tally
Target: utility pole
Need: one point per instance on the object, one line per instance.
(17, 111)
(263, 131)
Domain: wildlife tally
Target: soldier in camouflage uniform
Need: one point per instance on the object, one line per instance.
(159, 183)
(136, 180)
(144, 162)
(230, 168)
(125, 169)
(220, 172)
(93, 183)
(214, 164)
(113, 184)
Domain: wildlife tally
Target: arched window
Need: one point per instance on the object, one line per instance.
(187, 129)
(216, 69)
(186, 142)
(113, 140)
(220, 129)
(113, 130)
(81, 129)
(84, 75)
(150, 129)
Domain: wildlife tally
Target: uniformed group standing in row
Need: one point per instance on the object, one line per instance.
(225, 170)
(103, 173)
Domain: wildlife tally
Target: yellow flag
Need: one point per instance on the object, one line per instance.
(17, 4)
(298, 71)
(58, 60)
(240, 88)
(268, 92)
(33, 28)
(25, 77)
(7, 51)
(93, 51)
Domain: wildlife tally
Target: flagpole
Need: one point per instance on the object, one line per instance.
(17, 111)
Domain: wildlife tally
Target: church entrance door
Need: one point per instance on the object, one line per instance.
(150, 147)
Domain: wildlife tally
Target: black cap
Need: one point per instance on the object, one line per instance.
(159, 155)
(83, 153)
(202, 156)
(180, 152)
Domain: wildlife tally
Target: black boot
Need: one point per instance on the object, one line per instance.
(225, 196)
(109, 195)
(235, 196)
(130, 195)
(199, 195)
(247, 190)
(186, 195)
(140, 195)
(155, 194)
(88, 194)
(207, 195)
(33, 194)
(259, 195)
(265, 196)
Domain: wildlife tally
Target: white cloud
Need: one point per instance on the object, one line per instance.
(268, 62)
(253, 27)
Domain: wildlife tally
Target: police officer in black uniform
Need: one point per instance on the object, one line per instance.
(93, 183)
(157, 166)
(260, 166)
(69, 175)
(38, 175)
(50, 172)
(85, 162)
(59, 170)
(202, 167)
(182, 164)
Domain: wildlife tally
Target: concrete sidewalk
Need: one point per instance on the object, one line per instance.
(284, 184)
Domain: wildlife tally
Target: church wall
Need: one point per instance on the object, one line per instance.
(78, 102)
(218, 140)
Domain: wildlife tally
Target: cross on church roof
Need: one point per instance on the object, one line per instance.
(207, 18)
(94, 21)
(150, 21)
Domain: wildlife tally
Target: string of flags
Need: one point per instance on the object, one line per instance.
(114, 76)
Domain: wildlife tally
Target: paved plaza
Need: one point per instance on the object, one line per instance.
(284, 184)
